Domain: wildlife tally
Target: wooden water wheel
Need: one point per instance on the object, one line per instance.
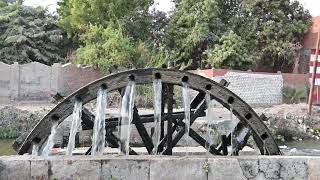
(175, 122)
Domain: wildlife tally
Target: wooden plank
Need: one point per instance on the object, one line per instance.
(169, 119)
(142, 131)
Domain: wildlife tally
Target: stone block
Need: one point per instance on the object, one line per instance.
(224, 168)
(120, 168)
(314, 168)
(81, 167)
(54, 81)
(34, 82)
(178, 168)
(14, 81)
(39, 169)
(14, 169)
(283, 167)
(249, 167)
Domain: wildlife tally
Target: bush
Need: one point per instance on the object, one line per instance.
(8, 133)
(293, 95)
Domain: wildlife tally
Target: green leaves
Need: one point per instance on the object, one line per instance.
(236, 33)
(105, 48)
(29, 34)
(115, 33)
(76, 16)
(279, 24)
(230, 52)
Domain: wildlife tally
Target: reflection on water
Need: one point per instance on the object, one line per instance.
(6, 147)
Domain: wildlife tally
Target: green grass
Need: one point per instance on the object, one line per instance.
(6, 147)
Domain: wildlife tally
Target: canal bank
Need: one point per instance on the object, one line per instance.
(159, 167)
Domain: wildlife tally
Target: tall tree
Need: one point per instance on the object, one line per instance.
(194, 25)
(77, 16)
(29, 34)
(115, 32)
(212, 30)
(275, 25)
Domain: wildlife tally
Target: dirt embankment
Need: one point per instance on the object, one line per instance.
(15, 121)
(292, 122)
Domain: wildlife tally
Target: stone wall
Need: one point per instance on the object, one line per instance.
(255, 89)
(159, 168)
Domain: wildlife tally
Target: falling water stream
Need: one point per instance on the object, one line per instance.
(50, 142)
(264, 148)
(127, 116)
(157, 91)
(99, 133)
(209, 121)
(186, 104)
(233, 130)
(119, 124)
(35, 149)
(75, 126)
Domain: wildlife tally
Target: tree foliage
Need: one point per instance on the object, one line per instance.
(76, 16)
(238, 34)
(230, 51)
(115, 32)
(105, 48)
(29, 34)
(265, 30)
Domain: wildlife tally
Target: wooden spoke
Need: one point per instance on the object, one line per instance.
(142, 131)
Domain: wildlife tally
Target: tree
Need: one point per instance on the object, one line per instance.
(265, 30)
(29, 34)
(76, 16)
(105, 48)
(275, 25)
(230, 52)
(193, 26)
(114, 33)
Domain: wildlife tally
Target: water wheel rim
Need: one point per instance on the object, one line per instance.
(146, 76)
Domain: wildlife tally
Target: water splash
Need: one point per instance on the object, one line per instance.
(35, 149)
(242, 136)
(75, 126)
(50, 142)
(186, 104)
(99, 132)
(157, 91)
(127, 116)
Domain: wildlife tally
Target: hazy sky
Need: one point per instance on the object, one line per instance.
(165, 5)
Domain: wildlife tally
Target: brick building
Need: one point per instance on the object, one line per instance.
(310, 38)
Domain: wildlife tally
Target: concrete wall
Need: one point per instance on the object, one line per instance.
(36, 82)
(160, 168)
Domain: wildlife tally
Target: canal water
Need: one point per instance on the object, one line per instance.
(293, 148)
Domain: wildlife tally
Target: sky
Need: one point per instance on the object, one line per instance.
(166, 5)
